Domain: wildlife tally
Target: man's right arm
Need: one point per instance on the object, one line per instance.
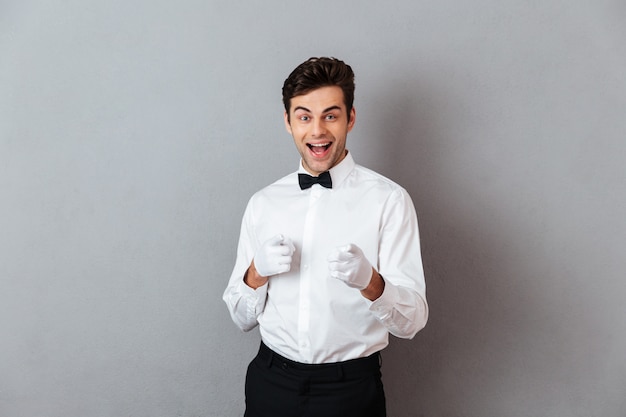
(244, 302)
(246, 292)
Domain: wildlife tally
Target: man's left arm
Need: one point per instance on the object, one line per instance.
(396, 289)
(402, 305)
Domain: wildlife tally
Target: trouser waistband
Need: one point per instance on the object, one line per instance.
(353, 368)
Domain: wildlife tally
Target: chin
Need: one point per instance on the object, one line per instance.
(318, 169)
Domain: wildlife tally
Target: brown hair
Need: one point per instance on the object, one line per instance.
(319, 72)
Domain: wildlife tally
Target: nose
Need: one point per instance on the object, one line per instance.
(318, 128)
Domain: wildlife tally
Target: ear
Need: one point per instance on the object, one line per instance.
(352, 119)
(287, 124)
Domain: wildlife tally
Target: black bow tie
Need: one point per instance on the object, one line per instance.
(307, 181)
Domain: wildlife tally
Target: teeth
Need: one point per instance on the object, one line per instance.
(319, 145)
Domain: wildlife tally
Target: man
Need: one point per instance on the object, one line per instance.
(328, 264)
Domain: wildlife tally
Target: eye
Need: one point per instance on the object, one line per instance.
(330, 117)
(304, 118)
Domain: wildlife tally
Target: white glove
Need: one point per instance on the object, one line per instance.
(274, 256)
(348, 264)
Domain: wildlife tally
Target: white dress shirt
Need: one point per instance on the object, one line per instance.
(305, 314)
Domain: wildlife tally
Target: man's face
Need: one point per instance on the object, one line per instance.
(319, 124)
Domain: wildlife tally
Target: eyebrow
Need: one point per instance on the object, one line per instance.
(324, 111)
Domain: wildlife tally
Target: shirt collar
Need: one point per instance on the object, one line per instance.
(339, 172)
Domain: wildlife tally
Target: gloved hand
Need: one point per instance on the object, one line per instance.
(348, 264)
(274, 256)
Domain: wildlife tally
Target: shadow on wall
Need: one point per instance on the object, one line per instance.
(469, 287)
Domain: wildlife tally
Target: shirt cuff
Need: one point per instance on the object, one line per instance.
(383, 305)
(255, 297)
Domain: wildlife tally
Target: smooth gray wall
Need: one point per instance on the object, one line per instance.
(132, 134)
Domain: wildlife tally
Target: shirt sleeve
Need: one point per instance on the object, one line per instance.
(244, 303)
(402, 308)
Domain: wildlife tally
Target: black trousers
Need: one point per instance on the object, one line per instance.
(279, 387)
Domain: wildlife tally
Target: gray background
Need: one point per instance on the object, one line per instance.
(132, 134)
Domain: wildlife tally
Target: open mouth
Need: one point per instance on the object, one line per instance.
(319, 149)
